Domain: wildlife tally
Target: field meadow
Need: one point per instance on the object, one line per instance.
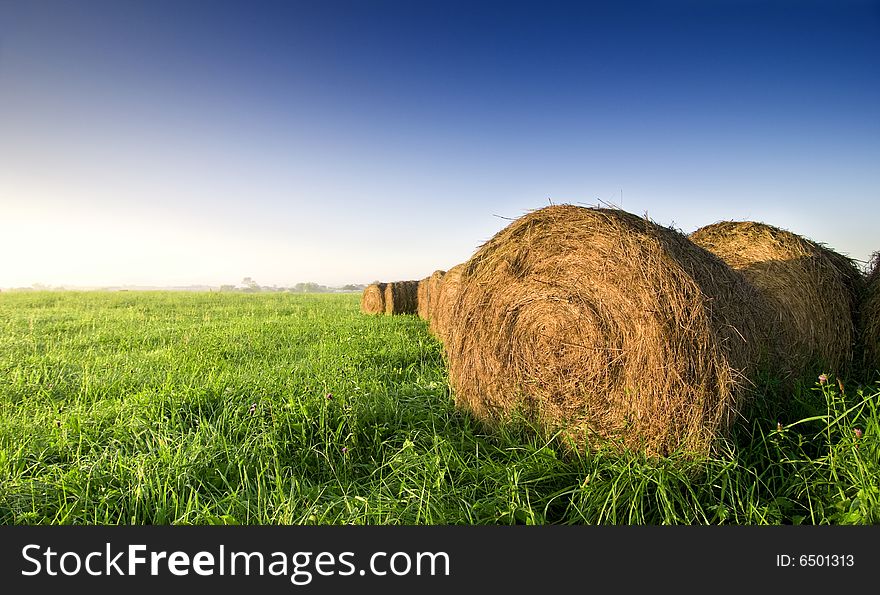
(232, 408)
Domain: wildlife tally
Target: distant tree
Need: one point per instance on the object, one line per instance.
(250, 285)
(310, 287)
(352, 287)
(227, 288)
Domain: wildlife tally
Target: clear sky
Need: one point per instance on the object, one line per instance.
(184, 142)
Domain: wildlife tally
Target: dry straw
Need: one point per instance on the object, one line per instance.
(870, 318)
(606, 326)
(444, 296)
(401, 297)
(813, 290)
(373, 299)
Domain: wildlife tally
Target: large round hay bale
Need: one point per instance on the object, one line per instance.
(442, 313)
(606, 326)
(373, 299)
(813, 290)
(870, 318)
(401, 297)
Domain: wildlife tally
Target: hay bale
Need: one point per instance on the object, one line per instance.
(606, 326)
(373, 299)
(870, 319)
(813, 290)
(432, 287)
(442, 312)
(401, 297)
(428, 288)
(422, 309)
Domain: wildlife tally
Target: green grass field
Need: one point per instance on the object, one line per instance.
(212, 408)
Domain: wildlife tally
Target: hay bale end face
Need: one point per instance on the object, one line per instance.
(373, 299)
(606, 326)
(813, 291)
(870, 319)
(401, 297)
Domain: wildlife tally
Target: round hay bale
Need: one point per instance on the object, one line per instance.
(428, 288)
(442, 311)
(607, 327)
(422, 309)
(870, 318)
(433, 287)
(401, 297)
(373, 299)
(813, 290)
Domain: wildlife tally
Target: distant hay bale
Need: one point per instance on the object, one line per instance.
(423, 298)
(813, 290)
(401, 297)
(606, 326)
(870, 318)
(432, 291)
(444, 296)
(428, 288)
(373, 299)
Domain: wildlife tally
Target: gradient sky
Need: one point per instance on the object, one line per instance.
(169, 143)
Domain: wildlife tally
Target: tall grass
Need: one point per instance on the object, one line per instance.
(274, 408)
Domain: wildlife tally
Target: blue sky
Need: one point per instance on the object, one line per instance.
(170, 143)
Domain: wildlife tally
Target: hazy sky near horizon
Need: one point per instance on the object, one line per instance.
(167, 143)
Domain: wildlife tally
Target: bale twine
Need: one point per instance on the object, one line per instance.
(813, 291)
(401, 297)
(442, 313)
(870, 319)
(607, 327)
(373, 299)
